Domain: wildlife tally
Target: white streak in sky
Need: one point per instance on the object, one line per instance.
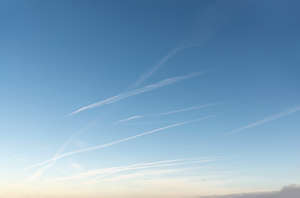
(188, 109)
(134, 92)
(97, 147)
(130, 118)
(113, 170)
(167, 113)
(133, 167)
(40, 171)
(160, 63)
(267, 119)
(49, 163)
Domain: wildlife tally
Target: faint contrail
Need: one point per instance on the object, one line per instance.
(160, 63)
(188, 109)
(167, 113)
(117, 169)
(130, 118)
(138, 166)
(38, 173)
(208, 22)
(144, 89)
(97, 147)
(265, 120)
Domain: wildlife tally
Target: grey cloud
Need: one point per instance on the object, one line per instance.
(291, 191)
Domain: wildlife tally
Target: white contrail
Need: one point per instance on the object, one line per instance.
(97, 147)
(208, 23)
(160, 63)
(144, 89)
(167, 113)
(127, 139)
(139, 166)
(66, 143)
(188, 109)
(130, 118)
(267, 119)
(40, 171)
(112, 170)
(50, 163)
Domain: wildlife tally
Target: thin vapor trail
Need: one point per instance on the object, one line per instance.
(112, 170)
(130, 118)
(134, 92)
(66, 143)
(167, 113)
(139, 166)
(265, 120)
(160, 63)
(38, 173)
(188, 109)
(97, 147)
(209, 22)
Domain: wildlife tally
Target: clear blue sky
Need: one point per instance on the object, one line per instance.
(239, 57)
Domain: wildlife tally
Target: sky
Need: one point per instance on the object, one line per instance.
(149, 98)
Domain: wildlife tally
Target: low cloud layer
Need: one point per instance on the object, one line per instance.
(292, 191)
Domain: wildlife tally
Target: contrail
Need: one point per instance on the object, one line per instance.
(138, 166)
(112, 170)
(130, 118)
(144, 89)
(97, 147)
(38, 173)
(188, 109)
(208, 23)
(267, 119)
(160, 63)
(167, 113)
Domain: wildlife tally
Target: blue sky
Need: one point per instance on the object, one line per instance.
(88, 73)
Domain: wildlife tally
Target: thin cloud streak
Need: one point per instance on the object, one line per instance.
(130, 118)
(37, 174)
(209, 24)
(265, 120)
(97, 147)
(117, 169)
(50, 163)
(134, 167)
(167, 113)
(188, 109)
(134, 92)
(65, 144)
(127, 139)
(160, 63)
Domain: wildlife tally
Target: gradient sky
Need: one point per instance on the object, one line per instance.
(148, 98)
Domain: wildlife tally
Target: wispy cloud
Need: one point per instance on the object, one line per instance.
(267, 119)
(118, 169)
(76, 166)
(291, 191)
(140, 174)
(133, 167)
(97, 147)
(134, 92)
